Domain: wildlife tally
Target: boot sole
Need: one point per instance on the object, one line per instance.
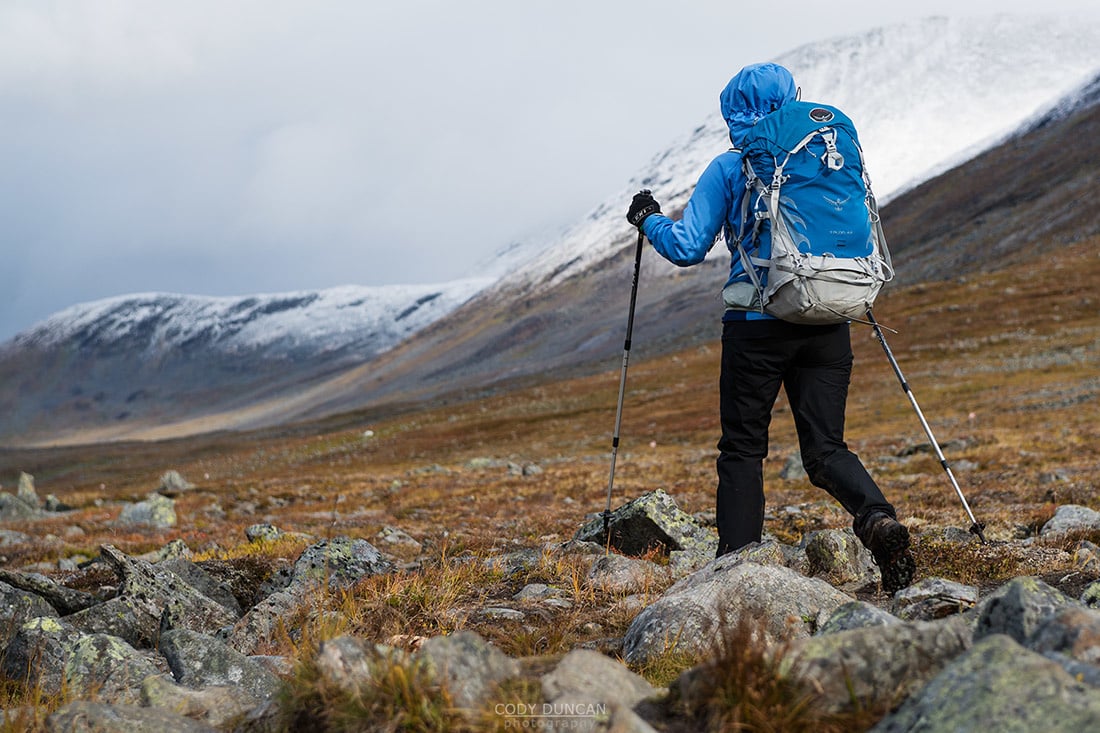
(899, 567)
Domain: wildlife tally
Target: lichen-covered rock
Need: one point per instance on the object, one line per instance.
(198, 660)
(348, 662)
(588, 677)
(159, 597)
(1074, 632)
(838, 556)
(999, 686)
(96, 717)
(264, 532)
(173, 484)
(64, 600)
(202, 581)
(651, 521)
(263, 622)
(875, 665)
(341, 561)
(933, 598)
(37, 653)
(18, 606)
(157, 511)
(467, 665)
(856, 615)
(1018, 608)
(1090, 596)
(108, 665)
(121, 617)
(1071, 518)
(691, 613)
(218, 706)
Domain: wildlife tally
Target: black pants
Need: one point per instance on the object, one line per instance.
(814, 365)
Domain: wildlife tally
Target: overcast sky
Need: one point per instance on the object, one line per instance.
(227, 147)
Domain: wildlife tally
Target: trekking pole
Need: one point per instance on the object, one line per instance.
(622, 387)
(976, 527)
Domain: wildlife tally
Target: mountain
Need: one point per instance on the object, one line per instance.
(159, 356)
(924, 95)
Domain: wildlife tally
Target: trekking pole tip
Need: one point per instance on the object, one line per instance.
(978, 529)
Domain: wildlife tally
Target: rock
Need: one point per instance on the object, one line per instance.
(26, 491)
(65, 600)
(198, 660)
(690, 614)
(94, 717)
(856, 615)
(122, 617)
(259, 533)
(341, 561)
(467, 665)
(1074, 632)
(217, 706)
(157, 511)
(263, 621)
(585, 677)
(9, 538)
(12, 508)
(202, 581)
(1086, 557)
(347, 663)
(160, 598)
(1071, 518)
(620, 574)
(395, 536)
(1090, 596)
(173, 484)
(793, 469)
(108, 665)
(515, 563)
(998, 686)
(1018, 608)
(838, 556)
(37, 653)
(18, 606)
(933, 598)
(876, 665)
(651, 521)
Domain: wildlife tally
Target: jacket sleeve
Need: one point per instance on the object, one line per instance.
(687, 241)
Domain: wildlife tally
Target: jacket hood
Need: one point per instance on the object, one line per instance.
(755, 91)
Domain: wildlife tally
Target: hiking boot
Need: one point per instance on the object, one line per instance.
(888, 541)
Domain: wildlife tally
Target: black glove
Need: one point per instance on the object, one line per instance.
(641, 207)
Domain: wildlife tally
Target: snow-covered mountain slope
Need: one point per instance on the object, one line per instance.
(924, 95)
(351, 321)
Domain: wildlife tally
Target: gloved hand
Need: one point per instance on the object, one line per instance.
(641, 207)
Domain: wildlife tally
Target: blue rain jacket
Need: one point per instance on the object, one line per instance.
(715, 205)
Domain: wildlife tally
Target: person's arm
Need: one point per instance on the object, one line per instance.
(687, 241)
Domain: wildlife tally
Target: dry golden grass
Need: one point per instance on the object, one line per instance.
(1005, 369)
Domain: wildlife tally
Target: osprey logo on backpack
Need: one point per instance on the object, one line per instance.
(809, 239)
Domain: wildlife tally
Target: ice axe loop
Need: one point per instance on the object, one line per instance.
(976, 527)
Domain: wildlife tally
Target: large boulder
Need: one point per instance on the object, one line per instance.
(691, 615)
(875, 665)
(1071, 518)
(999, 685)
(155, 598)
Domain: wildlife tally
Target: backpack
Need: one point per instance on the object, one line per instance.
(810, 219)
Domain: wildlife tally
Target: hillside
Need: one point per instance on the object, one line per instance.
(562, 311)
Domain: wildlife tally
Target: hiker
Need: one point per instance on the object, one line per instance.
(760, 352)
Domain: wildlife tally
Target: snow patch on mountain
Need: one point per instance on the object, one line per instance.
(925, 96)
(361, 320)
